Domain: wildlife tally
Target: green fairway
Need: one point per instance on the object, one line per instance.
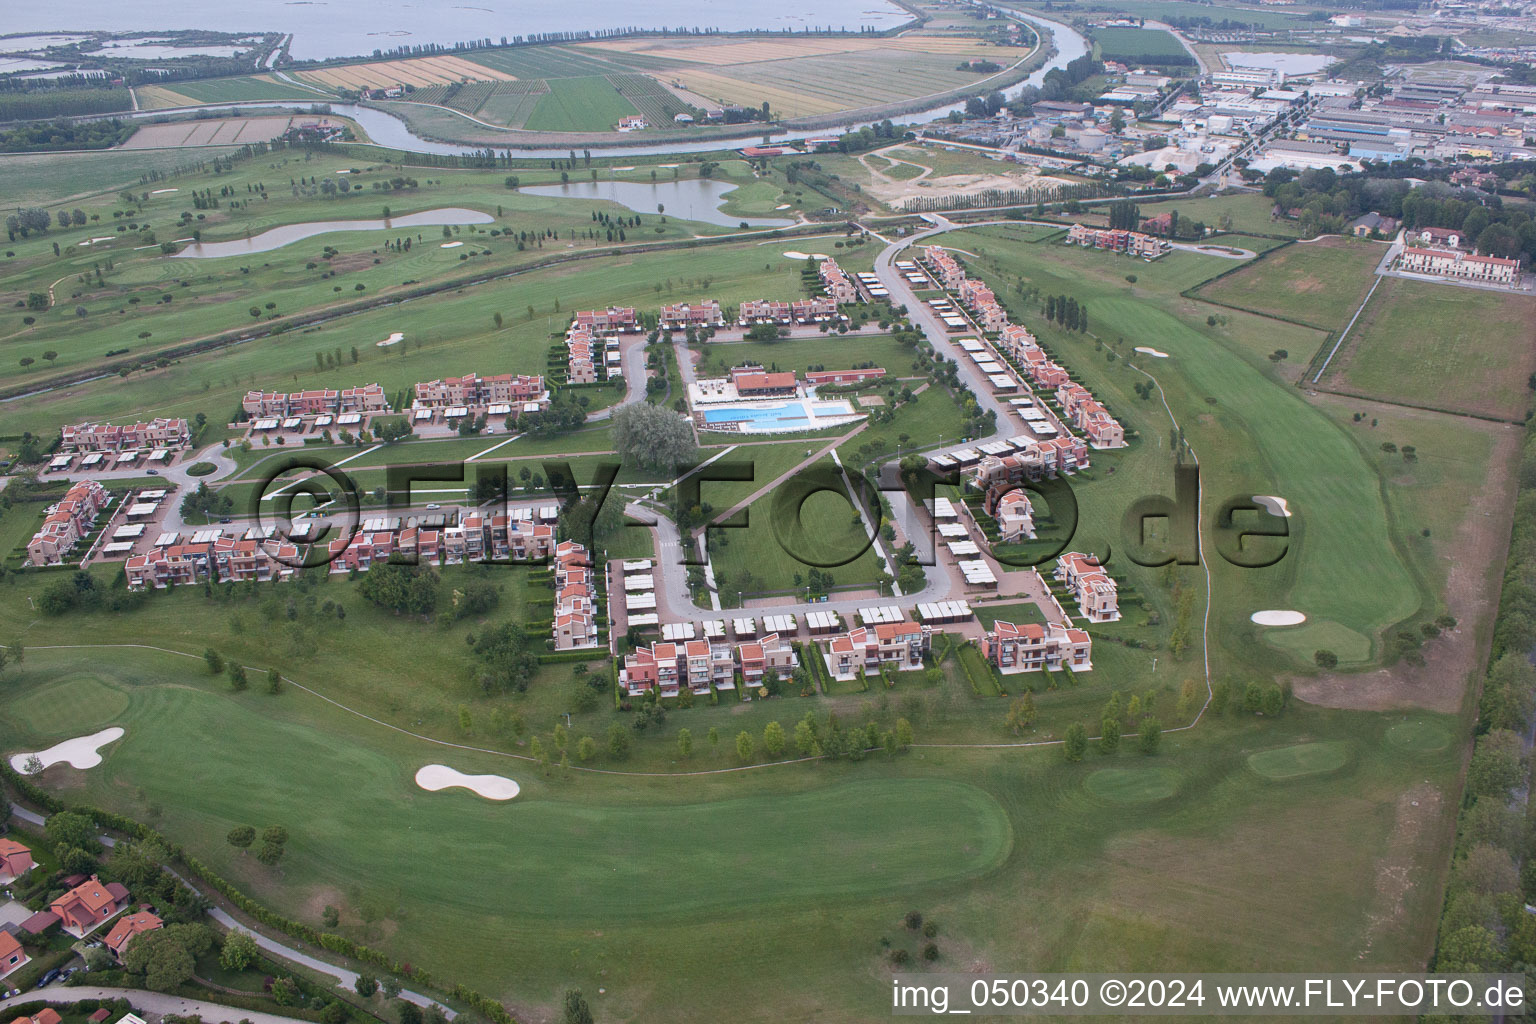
(1133, 785)
(579, 105)
(70, 706)
(1301, 759)
(1319, 635)
(1419, 736)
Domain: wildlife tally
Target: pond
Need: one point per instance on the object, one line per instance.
(287, 234)
(1290, 64)
(689, 199)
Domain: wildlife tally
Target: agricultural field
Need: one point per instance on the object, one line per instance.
(579, 104)
(232, 131)
(1442, 347)
(1319, 283)
(1132, 43)
(417, 72)
(224, 90)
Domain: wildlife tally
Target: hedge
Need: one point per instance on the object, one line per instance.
(485, 1006)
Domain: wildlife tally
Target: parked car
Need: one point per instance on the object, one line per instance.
(433, 505)
(226, 519)
(153, 472)
(48, 979)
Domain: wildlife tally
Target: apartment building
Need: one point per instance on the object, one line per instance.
(1097, 596)
(575, 624)
(66, 522)
(944, 266)
(767, 653)
(471, 392)
(581, 367)
(839, 288)
(317, 402)
(899, 646)
(992, 317)
(680, 316)
(975, 294)
(223, 558)
(1132, 243)
(1014, 513)
(105, 437)
(814, 377)
(613, 320)
(1032, 647)
(810, 311)
(1037, 460)
(766, 311)
(1464, 266)
(667, 667)
(1016, 341)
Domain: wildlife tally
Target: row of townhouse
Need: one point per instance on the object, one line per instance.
(800, 311)
(1014, 513)
(666, 666)
(1133, 243)
(679, 316)
(1450, 263)
(580, 363)
(104, 437)
(517, 391)
(899, 646)
(477, 537)
(613, 320)
(1097, 596)
(944, 266)
(575, 624)
(66, 521)
(1089, 416)
(318, 402)
(983, 305)
(223, 558)
(1037, 460)
(839, 288)
(1032, 647)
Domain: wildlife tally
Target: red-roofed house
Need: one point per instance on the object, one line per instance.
(128, 926)
(15, 860)
(1031, 647)
(769, 652)
(12, 956)
(896, 645)
(89, 905)
(47, 1015)
(1097, 597)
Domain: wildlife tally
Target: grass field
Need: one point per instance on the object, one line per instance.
(223, 90)
(1319, 283)
(579, 105)
(835, 853)
(1130, 43)
(1441, 346)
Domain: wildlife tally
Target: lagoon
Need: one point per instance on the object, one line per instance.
(688, 199)
(287, 234)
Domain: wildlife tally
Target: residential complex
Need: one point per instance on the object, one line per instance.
(702, 665)
(504, 394)
(898, 646)
(368, 398)
(214, 559)
(682, 315)
(104, 437)
(575, 624)
(1033, 647)
(66, 522)
(839, 288)
(1097, 596)
(1132, 243)
(1465, 266)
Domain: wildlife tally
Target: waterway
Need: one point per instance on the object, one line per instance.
(287, 234)
(354, 28)
(691, 199)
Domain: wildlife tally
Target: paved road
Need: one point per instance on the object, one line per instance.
(153, 1002)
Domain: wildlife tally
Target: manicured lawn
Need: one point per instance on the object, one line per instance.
(1319, 283)
(836, 853)
(1461, 349)
(1014, 613)
(579, 105)
(1298, 760)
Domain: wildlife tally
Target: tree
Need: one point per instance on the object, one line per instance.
(274, 839)
(1109, 736)
(618, 740)
(1496, 766)
(652, 437)
(366, 985)
(241, 837)
(586, 748)
(237, 680)
(239, 952)
(330, 916)
(805, 736)
(1075, 742)
(506, 658)
(1325, 659)
(390, 987)
(274, 681)
(684, 744)
(68, 828)
(773, 739)
(576, 1009)
(1149, 735)
(409, 1012)
(215, 661)
(903, 733)
(163, 956)
(744, 745)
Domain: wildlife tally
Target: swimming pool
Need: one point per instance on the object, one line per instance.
(767, 417)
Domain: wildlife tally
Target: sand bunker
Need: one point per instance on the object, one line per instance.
(782, 206)
(450, 245)
(820, 256)
(393, 339)
(796, 255)
(1153, 352)
(104, 238)
(1278, 618)
(621, 168)
(163, 191)
(434, 777)
(1276, 506)
(666, 165)
(81, 752)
